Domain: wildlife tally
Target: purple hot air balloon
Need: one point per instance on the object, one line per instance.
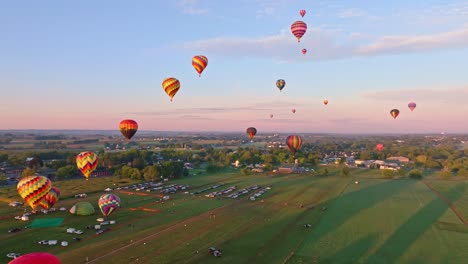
(412, 106)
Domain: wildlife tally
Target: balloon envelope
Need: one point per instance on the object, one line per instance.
(128, 128)
(304, 51)
(379, 147)
(280, 84)
(394, 113)
(171, 86)
(251, 131)
(33, 189)
(199, 63)
(50, 199)
(108, 203)
(87, 162)
(36, 258)
(298, 29)
(325, 102)
(302, 12)
(412, 106)
(294, 143)
(293, 111)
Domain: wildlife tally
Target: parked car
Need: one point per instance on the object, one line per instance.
(100, 231)
(214, 251)
(14, 230)
(15, 204)
(13, 255)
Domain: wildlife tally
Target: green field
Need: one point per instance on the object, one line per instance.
(375, 221)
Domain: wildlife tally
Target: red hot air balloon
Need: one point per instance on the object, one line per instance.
(294, 143)
(171, 86)
(271, 115)
(251, 131)
(379, 147)
(325, 102)
(128, 128)
(298, 29)
(394, 113)
(412, 106)
(302, 13)
(304, 51)
(293, 111)
(36, 258)
(199, 63)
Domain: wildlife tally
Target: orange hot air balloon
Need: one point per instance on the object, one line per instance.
(379, 147)
(394, 113)
(171, 86)
(199, 63)
(294, 143)
(251, 131)
(33, 189)
(87, 162)
(325, 102)
(128, 128)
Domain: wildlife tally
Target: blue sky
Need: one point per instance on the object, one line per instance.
(89, 64)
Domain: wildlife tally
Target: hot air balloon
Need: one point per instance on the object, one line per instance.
(271, 115)
(33, 189)
(304, 51)
(171, 86)
(302, 13)
(379, 147)
(50, 199)
(294, 143)
(87, 162)
(251, 131)
(128, 128)
(298, 29)
(108, 203)
(325, 102)
(293, 111)
(199, 63)
(280, 84)
(394, 113)
(412, 105)
(36, 258)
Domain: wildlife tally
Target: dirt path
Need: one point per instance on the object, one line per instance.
(449, 203)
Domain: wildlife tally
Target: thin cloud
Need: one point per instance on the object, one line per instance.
(352, 13)
(191, 7)
(452, 95)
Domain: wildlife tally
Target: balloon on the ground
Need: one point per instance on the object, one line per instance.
(36, 258)
(171, 86)
(33, 189)
(280, 84)
(298, 29)
(394, 113)
(294, 143)
(50, 199)
(87, 162)
(199, 63)
(251, 131)
(108, 203)
(412, 106)
(82, 208)
(128, 128)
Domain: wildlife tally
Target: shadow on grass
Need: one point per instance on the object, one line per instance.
(397, 244)
(347, 205)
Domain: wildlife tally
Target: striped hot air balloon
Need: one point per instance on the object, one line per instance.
(280, 84)
(302, 12)
(128, 128)
(87, 162)
(50, 199)
(251, 131)
(294, 143)
(298, 29)
(394, 113)
(33, 189)
(108, 203)
(171, 86)
(199, 63)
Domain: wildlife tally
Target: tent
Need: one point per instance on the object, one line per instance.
(82, 208)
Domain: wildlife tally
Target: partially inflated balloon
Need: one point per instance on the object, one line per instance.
(199, 63)
(379, 147)
(87, 162)
(294, 143)
(33, 189)
(298, 29)
(108, 203)
(50, 199)
(36, 258)
(302, 13)
(394, 113)
(251, 131)
(128, 128)
(325, 102)
(412, 105)
(304, 51)
(171, 86)
(280, 84)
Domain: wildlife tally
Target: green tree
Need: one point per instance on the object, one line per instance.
(388, 174)
(463, 172)
(345, 171)
(28, 172)
(245, 171)
(66, 172)
(151, 173)
(415, 174)
(445, 174)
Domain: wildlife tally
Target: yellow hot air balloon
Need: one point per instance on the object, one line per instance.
(87, 162)
(171, 86)
(199, 63)
(33, 189)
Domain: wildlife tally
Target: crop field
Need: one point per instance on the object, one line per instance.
(375, 221)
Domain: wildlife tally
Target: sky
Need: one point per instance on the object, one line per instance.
(90, 64)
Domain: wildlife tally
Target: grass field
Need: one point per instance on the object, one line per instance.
(375, 221)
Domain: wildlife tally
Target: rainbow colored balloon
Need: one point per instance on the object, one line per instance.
(87, 162)
(128, 128)
(251, 131)
(298, 29)
(33, 189)
(294, 143)
(394, 113)
(108, 203)
(171, 86)
(50, 199)
(199, 63)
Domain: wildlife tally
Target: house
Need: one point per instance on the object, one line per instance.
(257, 170)
(399, 159)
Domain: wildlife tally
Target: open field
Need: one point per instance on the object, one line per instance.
(375, 221)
